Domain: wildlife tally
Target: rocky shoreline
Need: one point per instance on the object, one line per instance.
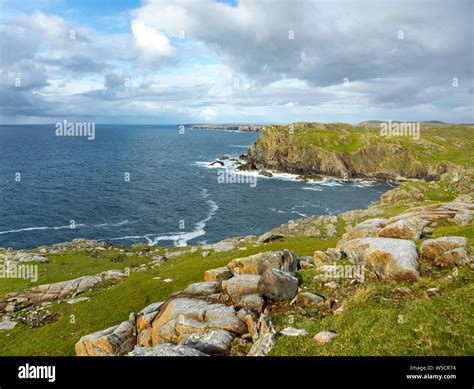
(232, 310)
(230, 127)
(233, 304)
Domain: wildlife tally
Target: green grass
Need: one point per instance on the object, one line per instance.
(111, 305)
(371, 325)
(331, 141)
(68, 266)
(437, 142)
(467, 231)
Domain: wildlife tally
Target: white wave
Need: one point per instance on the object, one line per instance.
(182, 238)
(130, 237)
(327, 182)
(312, 188)
(241, 146)
(227, 164)
(276, 210)
(82, 225)
(301, 214)
(39, 229)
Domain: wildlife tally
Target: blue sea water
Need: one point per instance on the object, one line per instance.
(173, 197)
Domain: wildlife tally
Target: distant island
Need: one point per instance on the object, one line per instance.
(231, 127)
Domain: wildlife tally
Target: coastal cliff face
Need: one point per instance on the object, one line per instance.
(230, 127)
(344, 151)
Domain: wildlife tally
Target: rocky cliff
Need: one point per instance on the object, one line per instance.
(344, 151)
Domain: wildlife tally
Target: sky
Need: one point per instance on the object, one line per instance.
(246, 61)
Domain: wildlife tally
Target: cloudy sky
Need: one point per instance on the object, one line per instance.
(258, 61)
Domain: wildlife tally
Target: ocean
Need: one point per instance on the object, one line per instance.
(148, 184)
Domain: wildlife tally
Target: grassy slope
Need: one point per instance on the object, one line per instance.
(110, 306)
(369, 326)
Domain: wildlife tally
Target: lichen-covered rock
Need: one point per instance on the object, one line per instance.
(22, 257)
(117, 340)
(388, 258)
(166, 350)
(308, 300)
(57, 291)
(367, 228)
(252, 301)
(203, 288)
(144, 323)
(112, 275)
(447, 251)
(277, 285)
(241, 285)
(182, 316)
(291, 331)
(216, 342)
(257, 264)
(265, 337)
(409, 228)
(218, 274)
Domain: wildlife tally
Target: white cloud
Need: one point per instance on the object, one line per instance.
(207, 114)
(153, 46)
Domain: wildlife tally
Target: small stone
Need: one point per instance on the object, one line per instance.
(339, 311)
(423, 295)
(401, 291)
(324, 337)
(77, 300)
(168, 280)
(306, 265)
(332, 285)
(433, 292)
(7, 325)
(306, 299)
(291, 331)
(205, 254)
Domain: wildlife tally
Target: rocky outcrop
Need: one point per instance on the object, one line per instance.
(277, 285)
(205, 317)
(216, 342)
(92, 247)
(258, 263)
(246, 167)
(166, 350)
(181, 317)
(447, 251)
(315, 149)
(58, 291)
(388, 258)
(242, 290)
(409, 228)
(218, 274)
(265, 337)
(117, 340)
(17, 257)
